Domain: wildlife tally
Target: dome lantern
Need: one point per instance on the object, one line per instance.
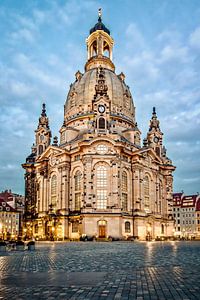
(99, 47)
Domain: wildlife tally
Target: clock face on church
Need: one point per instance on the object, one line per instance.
(101, 108)
(156, 139)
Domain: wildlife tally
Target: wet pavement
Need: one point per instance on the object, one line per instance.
(97, 270)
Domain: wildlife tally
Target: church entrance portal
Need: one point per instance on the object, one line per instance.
(102, 229)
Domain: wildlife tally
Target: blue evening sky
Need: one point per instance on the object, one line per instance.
(157, 46)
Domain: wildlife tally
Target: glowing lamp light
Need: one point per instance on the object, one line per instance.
(149, 228)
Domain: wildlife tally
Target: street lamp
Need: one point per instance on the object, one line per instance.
(149, 232)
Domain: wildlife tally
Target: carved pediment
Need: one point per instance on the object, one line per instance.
(51, 150)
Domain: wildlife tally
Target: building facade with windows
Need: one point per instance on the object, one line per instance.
(16, 201)
(9, 221)
(186, 215)
(99, 180)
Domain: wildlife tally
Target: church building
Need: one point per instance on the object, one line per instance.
(98, 179)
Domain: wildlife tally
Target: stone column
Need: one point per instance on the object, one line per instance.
(41, 195)
(59, 188)
(136, 189)
(114, 186)
(65, 189)
(87, 181)
(45, 195)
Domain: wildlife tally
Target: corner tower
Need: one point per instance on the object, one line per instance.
(43, 132)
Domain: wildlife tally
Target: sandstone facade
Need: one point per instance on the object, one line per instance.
(99, 180)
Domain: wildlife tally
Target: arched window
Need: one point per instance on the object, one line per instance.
(53, 190)
(158, 151)
(162, 229)
(102, 123)
(106, 49)
(101, 183)
(124, 191)
(40, 149)
(146, 193)
(127, 226)
(77, 190)
(93, 49)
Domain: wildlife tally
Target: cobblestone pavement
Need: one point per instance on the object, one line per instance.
(96, 270)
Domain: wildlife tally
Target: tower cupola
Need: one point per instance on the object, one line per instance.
(99, 25)
(43, 132)
(99, 46)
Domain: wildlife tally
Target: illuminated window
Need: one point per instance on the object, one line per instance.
(77, 189)
(101, 183)
(124, 191)
(127, 226)
(146, 193)
(54, 190)
(102, 149)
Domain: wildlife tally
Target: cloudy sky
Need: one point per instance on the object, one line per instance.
(157, 46)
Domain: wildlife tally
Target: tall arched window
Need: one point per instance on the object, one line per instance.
(158, 151)
(102, 123)
(77, 190)
(146, 193)
(127, 226)
(101, 183)
(53, 190)
(124, 191)
(106, 49)
(162, 229)
(40, 149)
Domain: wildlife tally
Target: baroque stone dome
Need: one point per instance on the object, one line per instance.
(82, 93)
(99, 102)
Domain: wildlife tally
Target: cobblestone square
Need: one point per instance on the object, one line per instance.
(102, 270)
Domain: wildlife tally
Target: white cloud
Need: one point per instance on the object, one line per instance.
(22, 34)
(33, 70)
(20, 89)
(172, 52)
(134, 36)
(194, 38)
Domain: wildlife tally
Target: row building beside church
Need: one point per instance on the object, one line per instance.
(99, 179)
